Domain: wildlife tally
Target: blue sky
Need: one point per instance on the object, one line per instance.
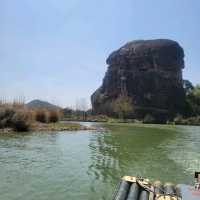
(55, 50)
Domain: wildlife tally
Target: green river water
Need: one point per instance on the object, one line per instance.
(86, 165)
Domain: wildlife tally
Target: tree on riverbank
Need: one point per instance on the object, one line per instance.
(122, 106)
(192, 99)
(192, 108)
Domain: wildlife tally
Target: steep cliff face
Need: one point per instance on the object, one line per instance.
(150, 73)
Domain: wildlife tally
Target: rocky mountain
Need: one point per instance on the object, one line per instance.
(41, 104)
(150, 73)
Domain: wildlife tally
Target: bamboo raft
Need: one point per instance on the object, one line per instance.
(136, 188)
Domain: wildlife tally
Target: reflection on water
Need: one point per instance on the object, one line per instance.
(87, 164)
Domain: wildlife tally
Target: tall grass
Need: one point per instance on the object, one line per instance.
(47, 115)
(17, 116)
(53, 116)
(21, 120)
(6, 114)
(41, 116)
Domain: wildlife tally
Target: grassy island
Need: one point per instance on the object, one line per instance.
(58, 127)
(18, 118)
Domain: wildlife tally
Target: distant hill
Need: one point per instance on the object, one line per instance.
(41, 104)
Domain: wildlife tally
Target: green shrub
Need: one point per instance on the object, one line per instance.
(6, 115)
(21, 121)
(187, 121)
(123, 106)
(41, 116)
(178, 119)
(3, 123)
(53, 116)
(149, 119)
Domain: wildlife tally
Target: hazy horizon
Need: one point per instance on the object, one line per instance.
(56, 50)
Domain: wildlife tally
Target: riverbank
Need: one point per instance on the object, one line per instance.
(179, 120)
(67, 126)
(118, 125)
(18, 118)
(46, 127)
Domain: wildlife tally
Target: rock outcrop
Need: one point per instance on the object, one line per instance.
(150, 73)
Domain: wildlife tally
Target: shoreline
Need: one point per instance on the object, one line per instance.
(42, 127)
(134, 121)
(74, 126)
